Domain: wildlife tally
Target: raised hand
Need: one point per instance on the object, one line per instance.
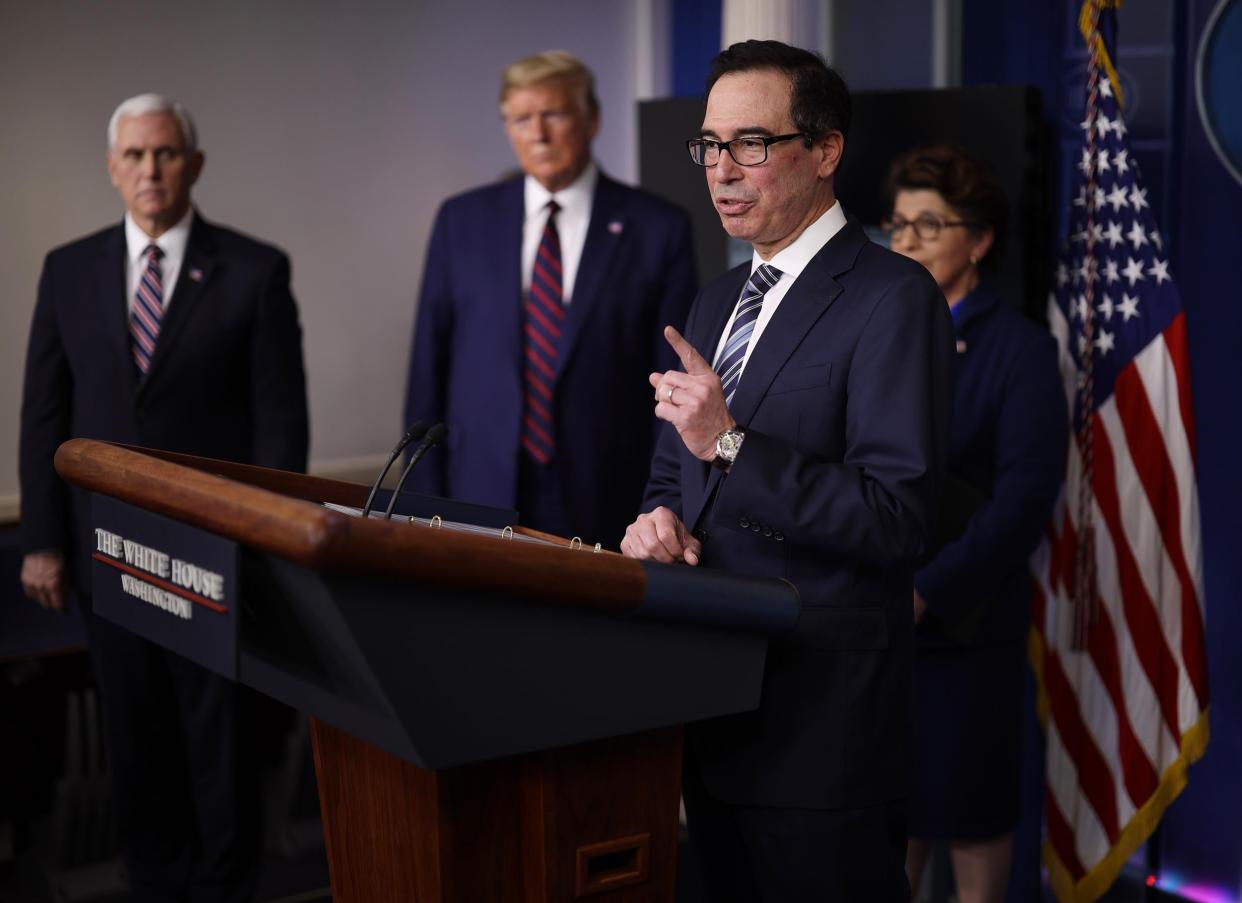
(692, 401)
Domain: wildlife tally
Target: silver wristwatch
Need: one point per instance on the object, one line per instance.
(728, 444)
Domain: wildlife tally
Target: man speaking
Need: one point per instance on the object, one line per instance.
(806, 440)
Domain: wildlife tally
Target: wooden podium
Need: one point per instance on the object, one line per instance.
(493, 719)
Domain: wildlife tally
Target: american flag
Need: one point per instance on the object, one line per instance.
(1117, 640)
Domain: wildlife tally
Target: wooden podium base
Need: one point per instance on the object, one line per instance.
(596, 821)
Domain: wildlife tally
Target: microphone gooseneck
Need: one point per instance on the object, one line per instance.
(433, 436)
(417, 430)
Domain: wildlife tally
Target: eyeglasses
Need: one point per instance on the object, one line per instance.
(927, 226)
(748, 151)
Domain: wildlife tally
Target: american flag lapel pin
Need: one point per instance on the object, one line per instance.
(616, 227)
(195, 274)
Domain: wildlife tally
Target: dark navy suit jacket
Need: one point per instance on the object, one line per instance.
(226, 380)
(846, 404)
(636, 276)
(1010, 428)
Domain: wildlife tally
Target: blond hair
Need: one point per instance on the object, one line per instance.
(551, 66)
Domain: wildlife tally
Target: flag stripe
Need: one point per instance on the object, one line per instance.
(1157, 367)
(1138, 696)
(1089, 835)
(1140, 611)
(1061, 836)
(1142, 531)
(1094, 781)
(1175, 343)
(1155, 470)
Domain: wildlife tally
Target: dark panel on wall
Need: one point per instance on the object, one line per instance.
(999, 124)
(664, 167)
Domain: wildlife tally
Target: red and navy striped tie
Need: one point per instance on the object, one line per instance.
(545, 321)
(148, 310)
(729, 363)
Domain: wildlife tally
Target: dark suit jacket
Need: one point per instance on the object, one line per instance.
(226, 380)
(636, 276)
(1010, 428)
(846, 403)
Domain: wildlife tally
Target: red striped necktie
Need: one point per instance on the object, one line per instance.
(545, 321)
(148, 310)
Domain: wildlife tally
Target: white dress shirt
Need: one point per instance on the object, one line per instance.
(571, 225)
(172, 243)
(791, 261)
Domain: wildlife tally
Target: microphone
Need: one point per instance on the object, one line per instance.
(416, 431)
(432, 438)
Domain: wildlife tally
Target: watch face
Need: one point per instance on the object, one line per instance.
(727, 444)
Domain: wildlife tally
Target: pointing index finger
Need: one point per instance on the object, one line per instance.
(693, 362)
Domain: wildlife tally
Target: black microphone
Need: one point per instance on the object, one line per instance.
(417, 430)
(433, 437)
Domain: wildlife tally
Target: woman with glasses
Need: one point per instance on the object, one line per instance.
(971, 599)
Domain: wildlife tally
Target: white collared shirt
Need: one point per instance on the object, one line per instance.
(571, 225)
(173, 243)
(791, 261)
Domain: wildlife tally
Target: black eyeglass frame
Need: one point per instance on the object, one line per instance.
(722, 146)
(892, 231)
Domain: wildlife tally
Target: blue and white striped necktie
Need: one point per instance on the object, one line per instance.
(729, 362)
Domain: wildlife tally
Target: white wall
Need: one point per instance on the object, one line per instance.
(330, 129)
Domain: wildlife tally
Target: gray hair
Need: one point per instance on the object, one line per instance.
(141, 104)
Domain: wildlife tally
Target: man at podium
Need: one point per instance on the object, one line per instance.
(806, 440)
(169, 332)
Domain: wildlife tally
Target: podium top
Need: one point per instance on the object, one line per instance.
(283, 514)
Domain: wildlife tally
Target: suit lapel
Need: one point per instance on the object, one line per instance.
(812, 293)
(112, 302)
(604, 235)
(505, 280)
(196, 271)
(705, 339)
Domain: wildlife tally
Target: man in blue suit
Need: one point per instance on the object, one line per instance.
(542, 302)
(169, 332)
(807, 440)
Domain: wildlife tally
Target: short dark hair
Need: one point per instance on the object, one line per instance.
(819, 102)
(966, 183)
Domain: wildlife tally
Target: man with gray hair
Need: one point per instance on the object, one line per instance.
(168, 332)
(542, 302)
